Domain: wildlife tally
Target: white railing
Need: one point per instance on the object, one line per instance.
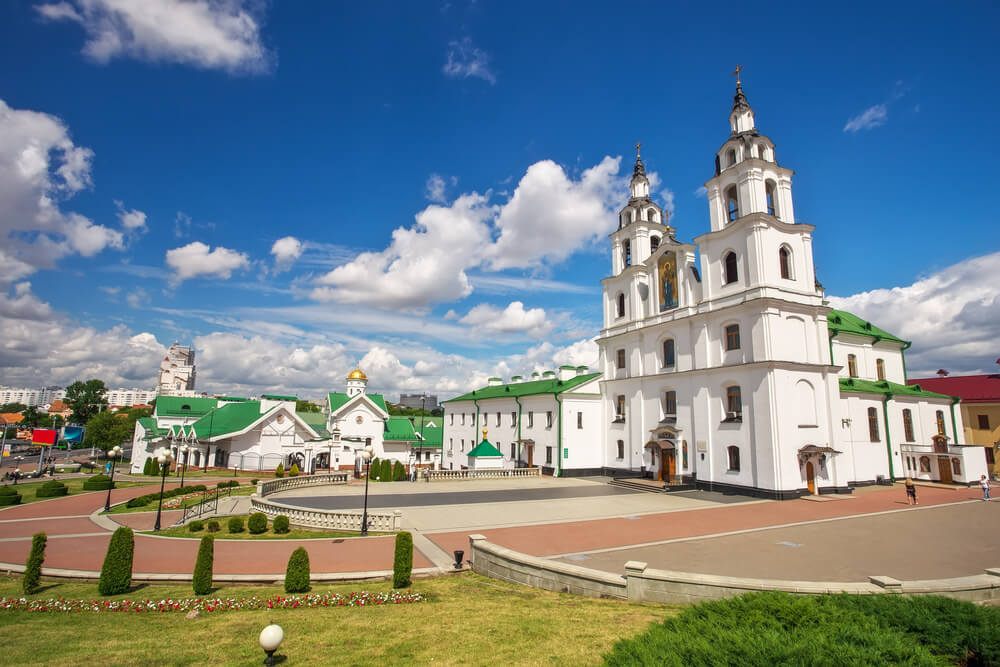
(286, 484)
(494, 473)
(385, 522)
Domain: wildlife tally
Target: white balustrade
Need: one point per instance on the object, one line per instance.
(489, 473)
(285, 484)
(329, 519)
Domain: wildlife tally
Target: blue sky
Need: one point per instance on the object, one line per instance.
(158, 136)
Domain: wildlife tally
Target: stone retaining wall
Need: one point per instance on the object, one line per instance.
(283, 484)
(386, 522)
(641, 583)
(497, 473)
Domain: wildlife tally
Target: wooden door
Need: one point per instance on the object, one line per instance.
(669, 466)
(531, 455)
(944, 469)
(811, 477)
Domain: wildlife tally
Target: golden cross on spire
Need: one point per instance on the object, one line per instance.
(637, 146)
(739, 68)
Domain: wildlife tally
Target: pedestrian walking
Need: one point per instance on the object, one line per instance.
(984, 483)
(911, 492)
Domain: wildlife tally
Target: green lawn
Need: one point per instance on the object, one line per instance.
(188, 502)
(295, 533)
(74, 484)
(467, 619)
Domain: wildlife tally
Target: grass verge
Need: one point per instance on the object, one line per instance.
(467, 619)
(191, 501)
(75, 486)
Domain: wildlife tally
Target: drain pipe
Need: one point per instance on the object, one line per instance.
(888, 439)
(559, 451)
(518, 401)
(954, 425)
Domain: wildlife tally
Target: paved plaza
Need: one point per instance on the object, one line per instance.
(581, 521)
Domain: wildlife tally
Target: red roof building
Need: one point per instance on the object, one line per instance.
(980, 406)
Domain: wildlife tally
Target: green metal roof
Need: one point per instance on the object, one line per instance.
(547, 386)
(149, 426)
(433, 435)
(232, 399)
(280, 398)
(883, 387)
(229, 418)
(485, 448)
(183, 406)
(338, 400)
(841, 321)
(399, 429)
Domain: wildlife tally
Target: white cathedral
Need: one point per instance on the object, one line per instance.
(722, 365)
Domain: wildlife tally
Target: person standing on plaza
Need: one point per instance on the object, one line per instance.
(911, 492)
(984, 483)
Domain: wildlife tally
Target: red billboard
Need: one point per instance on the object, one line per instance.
(43, 436)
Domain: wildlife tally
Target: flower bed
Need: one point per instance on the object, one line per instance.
(210, 605)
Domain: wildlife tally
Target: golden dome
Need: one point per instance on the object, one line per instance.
(357, 374)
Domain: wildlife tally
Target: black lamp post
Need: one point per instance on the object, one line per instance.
(367, 456)
(184, 459)
(163, 458)
(115, 452)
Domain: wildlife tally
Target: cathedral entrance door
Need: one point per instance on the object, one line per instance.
(531, 455)
(944, 469)
(811, 477)
(668, 465)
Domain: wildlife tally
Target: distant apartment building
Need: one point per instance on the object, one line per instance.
(126, 398)
(428, 402)
(31, 397)
(177, 372)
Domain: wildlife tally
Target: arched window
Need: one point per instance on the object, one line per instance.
(733, 453)
(785, 262)
(732, 203)
(769, 191)
(734, 401)
(956, 466)
(670, 404)
(628, 217)
(852, 365)
(730, 157)
(925, 464)
(762, 151)
(627, 252)
(668, 353)
(732, 273)
(880, 368)
(873, 425)
(940, 422)
(654, 243)
(652, 215)
(621, 305)
(806, 400)
(908, 426)
(732, 337)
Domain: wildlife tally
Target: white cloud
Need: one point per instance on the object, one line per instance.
(209, 34)
(495, 284)
(41, 167)
(668, 199)
(701, 192)
(952, 316)
(512, 319)
(133, 221)
(869, 118)
(286, 251)
(465, 59)
(434, 190)
(195, 259)
(425, 263)
(137, 297)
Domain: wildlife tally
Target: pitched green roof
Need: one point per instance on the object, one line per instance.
(338, 400)
(433, 435)
(485, 448)
(149, 426)
(229, 418)
(183, 406)
(280, 398)
(883, 387)
(841, 321)
(547, 386)
(399, 429)
(316, 421)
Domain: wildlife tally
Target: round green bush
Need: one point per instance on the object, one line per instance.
(294, 470)
(297, 572)
(257, 523)
(195, 526)
(228, 485)
(280, 524)
(253, 482)
(51, 489)
(99, 482)
(235, 524)
(213, 526)
(280, 470)
(9, 496)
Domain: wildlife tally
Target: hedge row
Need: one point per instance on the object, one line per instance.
(9, 496)
(99, 482)
(142, 501)
(51, 489)
(228, 485)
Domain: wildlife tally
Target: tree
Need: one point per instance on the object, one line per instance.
(297, 572)
(106, 429)
(402, 564)
(202, 578)
(32, 417)
(116, 574)
(86, 398)
(13, 407)
(33, 568)
(306, 406)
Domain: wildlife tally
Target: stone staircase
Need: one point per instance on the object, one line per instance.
(649, 485)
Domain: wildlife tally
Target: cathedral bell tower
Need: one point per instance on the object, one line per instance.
(641, 223)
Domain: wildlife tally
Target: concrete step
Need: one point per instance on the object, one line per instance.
(650, 486)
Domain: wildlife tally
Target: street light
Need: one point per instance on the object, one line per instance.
(163, 457)
(367, 456)
(113, 453)
(184, 459)
(270, 639)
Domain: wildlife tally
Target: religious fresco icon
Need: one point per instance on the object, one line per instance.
(667, 271)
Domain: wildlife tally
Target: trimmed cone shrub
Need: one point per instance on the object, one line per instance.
(202, 578)
(213, 526)
(150, 468)
(280, 470)
(294, 470)
(116, 574)
(51, 489)
(9, 496)
(33, 568)
(374, 470)
(257, 523)
(195, 526)
(280, 524)
(386, 470)
(235, 524)
(398, 472)
(402, 564)
(297, 573)
(99, 482)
